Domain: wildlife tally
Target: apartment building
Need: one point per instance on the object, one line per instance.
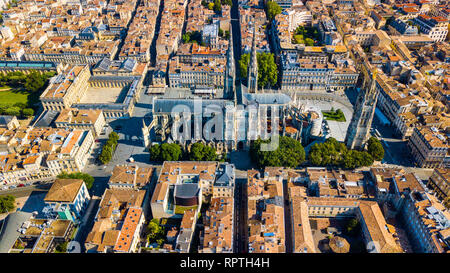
(73, 154)
(218, 234)
(140, 32)
(208, 73)
(427, 222)
(118, 223)
(67, 199)
(81, 119)
(16, 169)
(116, 68)
(44, 153)
(392, 183)
(405, 124)
(28, 66)
(316, 73)
(428, 147)
(21, 232)
(183, 240)
(265, 213)
(184, 184)
(440, 183)
(253, 20)
(130, 177)
(434, 27)
(335, 183)
(66, 89)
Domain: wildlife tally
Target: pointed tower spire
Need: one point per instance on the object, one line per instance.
(230, 70)
(252, 71)
(359, 128)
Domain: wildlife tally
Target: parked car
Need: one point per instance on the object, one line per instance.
(21, 185)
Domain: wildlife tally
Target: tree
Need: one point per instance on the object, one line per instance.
(109, 148)
(243, 64)
(272, 10)
(106, 154)
(165, 152)
(113, 136)
(217, 6)
(34, 81)
(27, 112)
(211, 6)
(309, 42)
(334, 153)
(375, 149)
(155, 232)
(88, 179)
(227, 2)
(289, 153)
(267, 70)
(352, 227)
(186, 38)
(7, 203)
(201, 152)
(155, 152)
(13, 111)
(62, 247)
(328, 153)
(170, 152)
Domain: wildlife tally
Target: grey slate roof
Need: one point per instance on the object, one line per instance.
(167, 105)
(47, 119)
(4, 120)
(186, 190)
(9, 233)
(226, 176)
(267, 98)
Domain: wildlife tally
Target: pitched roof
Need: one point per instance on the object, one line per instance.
(64, 190)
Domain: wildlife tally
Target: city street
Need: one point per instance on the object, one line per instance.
(287, 219)
(396, 150)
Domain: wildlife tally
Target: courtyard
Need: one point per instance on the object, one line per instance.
(104, 95)
(325, 228)
(337, 129)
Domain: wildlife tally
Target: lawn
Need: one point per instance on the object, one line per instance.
(11, 96)
(306, 35)
(334, 115)
(181, 209)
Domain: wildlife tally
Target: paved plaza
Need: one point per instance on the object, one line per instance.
(104, 95)
(338, 129)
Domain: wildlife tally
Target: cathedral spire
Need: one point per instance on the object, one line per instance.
(359, 128)
(230, 90)
(252, 71)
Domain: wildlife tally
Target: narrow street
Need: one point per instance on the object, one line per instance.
(156, 35)
(240, 216)
(287, 219)
(119, 48)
